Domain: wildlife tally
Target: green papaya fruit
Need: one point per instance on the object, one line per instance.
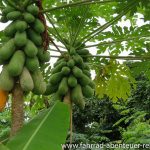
(77, 96)
(10, 30)
(78, 43)
(32, 64)
(30, 49)
(44, 56)
(20, 39)
(1, 61)
(83, 52)
(34, 10)
(26, 80)
(16, 63)
(72, 81)
(71, 63)
(87, 72)
(3, 19)
(39, 83)
(21, 26)
(84, 80)
(58, 68)
(86, 66)
(55, 78)
(29, 18)
(35, 37)
(92, 84)
(51, 89)
(63, 87)
(72, 51)
(59, 61)
(7, 50)
(65, 70)
(6, 81)
(7, 10)
(77, 72)
(78, 60)
(38, 26)
(14, 15)
(87, 91)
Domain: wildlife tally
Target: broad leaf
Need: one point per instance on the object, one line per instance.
(2, 147)
(47, 131)
(114, 80)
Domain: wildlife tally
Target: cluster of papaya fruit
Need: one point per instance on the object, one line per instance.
(23, 53)
(71, 74)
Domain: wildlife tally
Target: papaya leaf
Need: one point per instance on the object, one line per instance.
(47, 131)
(3, 147)
(115, 81)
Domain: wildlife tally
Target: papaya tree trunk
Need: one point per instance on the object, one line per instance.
(67, 100)
(17, 109)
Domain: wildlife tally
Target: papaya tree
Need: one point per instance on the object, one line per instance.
(74, 30)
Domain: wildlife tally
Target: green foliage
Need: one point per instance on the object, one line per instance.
(137, 133)
(123, 39)
(87, 23)
(114, 80)
(2, 147)
(120, 122)
(5, 123)
(96, 121)
(54, 121)
(139, 68)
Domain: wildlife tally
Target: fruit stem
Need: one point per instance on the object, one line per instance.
(17, 110)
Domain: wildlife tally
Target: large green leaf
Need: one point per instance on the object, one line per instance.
(2, 147)
(47, 131)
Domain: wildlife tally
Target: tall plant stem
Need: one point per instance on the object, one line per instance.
(67, 100)
(17, 109)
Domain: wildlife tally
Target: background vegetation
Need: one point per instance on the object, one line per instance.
(119, 111)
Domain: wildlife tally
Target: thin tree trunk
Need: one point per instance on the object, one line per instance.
(17, 109)
(67, 100)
